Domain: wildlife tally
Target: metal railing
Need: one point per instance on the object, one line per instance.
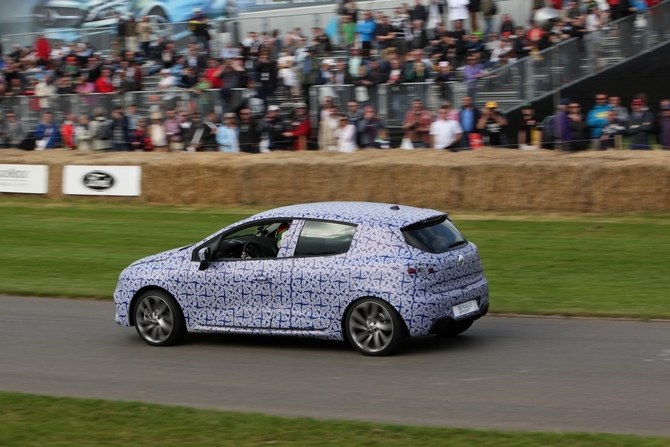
(390, 101)
(543, 73)
(29, 109)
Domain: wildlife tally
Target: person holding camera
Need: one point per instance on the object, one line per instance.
(493, 124)
(417, 124)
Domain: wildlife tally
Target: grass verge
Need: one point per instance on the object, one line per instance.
(29, 420)
(536, 263)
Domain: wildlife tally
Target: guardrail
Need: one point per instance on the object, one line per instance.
(549, 70)
(28, 109)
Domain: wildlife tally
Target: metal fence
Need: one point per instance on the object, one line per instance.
(29, 109)
(391, 102)
(549, 70)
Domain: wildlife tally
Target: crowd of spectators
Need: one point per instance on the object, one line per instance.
(416, 44)
(604, 126)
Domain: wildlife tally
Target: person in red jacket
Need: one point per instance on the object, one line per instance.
(104, 83)
(214, 73)
(42, 50)
(301, 128)
(67, 132)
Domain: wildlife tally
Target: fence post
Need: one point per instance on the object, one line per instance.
(382, 110)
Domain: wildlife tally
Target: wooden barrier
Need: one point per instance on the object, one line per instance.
(501, 180)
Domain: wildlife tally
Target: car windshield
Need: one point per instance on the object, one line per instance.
(436, 235)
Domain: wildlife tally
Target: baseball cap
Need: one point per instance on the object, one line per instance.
(527, 106)
(273, 108)
(491, 105)
(637, 102)
(565, 101)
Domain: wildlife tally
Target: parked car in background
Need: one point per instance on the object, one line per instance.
(368, 273)
(50, 14)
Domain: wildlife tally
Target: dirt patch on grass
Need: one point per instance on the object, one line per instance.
(483, 180)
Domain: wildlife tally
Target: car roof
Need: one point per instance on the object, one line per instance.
(353, 212)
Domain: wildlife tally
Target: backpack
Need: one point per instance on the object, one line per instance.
(102, 131)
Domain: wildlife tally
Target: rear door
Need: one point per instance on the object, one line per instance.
(316, 275)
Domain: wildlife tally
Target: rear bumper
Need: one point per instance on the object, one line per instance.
(445, 323)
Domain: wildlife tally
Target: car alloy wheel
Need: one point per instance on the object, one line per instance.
(158, 319)
(374, 327)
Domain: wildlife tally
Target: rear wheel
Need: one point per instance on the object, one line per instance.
(458, 328)
(158, 319)
(374, 327)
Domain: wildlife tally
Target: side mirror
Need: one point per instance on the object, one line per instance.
(204, 254)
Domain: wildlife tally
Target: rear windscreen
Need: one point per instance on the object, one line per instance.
(435, 235)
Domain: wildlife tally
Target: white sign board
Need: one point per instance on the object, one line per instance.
(102, 180)
(24, 179)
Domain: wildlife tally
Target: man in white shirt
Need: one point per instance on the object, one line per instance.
(445, 132)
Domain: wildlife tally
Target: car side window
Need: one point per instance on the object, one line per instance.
(253, 241)
(324, 238)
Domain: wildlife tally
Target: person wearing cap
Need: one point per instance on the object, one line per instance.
(598, 118)
(640, 125)
(301, 129)
(526, 137)
(493, 124)
(664, 125)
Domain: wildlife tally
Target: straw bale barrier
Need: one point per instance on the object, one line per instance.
(502, 180)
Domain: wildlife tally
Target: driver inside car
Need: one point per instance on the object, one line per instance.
(281, 232)
(257, 249)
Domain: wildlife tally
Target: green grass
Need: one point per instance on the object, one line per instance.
(27, 420)
(536, 264)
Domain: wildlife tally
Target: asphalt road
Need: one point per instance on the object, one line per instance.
(504, 373)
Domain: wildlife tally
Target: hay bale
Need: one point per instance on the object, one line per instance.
(488, 179)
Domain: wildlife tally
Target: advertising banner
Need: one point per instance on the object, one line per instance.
(52, 16)
(24, 179)
(102, 180)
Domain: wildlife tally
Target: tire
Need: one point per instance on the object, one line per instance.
(159, 320)
(374, 327)
(458, 328)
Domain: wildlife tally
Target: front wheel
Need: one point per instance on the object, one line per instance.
(374, 327)
(158, 319)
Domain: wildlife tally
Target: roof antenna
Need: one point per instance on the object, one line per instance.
(395, 207)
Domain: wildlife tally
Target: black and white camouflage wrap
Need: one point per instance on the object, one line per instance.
(308, 296)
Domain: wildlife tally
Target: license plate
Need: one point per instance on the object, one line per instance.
(465, 308)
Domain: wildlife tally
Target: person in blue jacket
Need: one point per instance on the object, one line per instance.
(47, 135)
(597, 118)
(366, 30)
